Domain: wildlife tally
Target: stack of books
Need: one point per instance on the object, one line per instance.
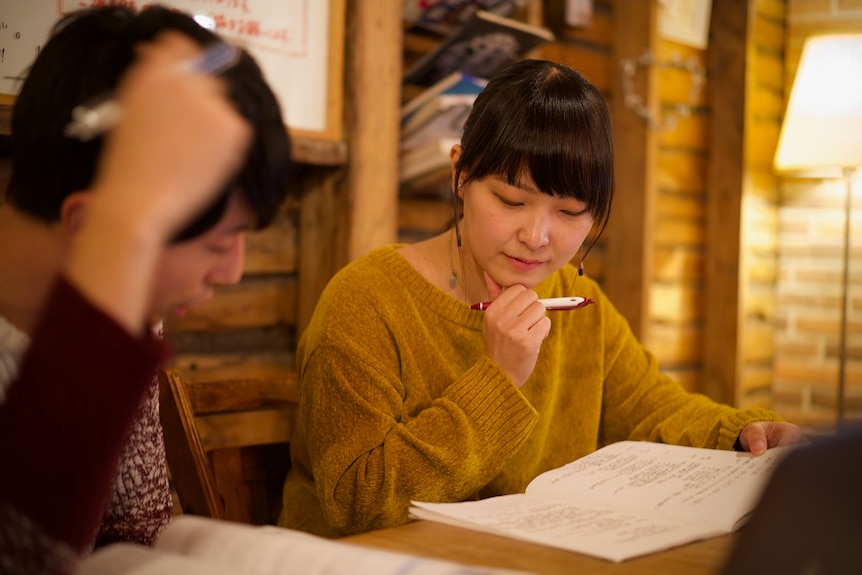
(452, 75)
(431, 124)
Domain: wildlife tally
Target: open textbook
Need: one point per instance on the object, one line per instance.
(192, 545)
(625, 500)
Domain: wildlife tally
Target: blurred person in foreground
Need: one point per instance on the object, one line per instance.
(99, 240)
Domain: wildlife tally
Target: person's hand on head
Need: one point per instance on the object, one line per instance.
(759, 436)
(177, 143)
(514, 327)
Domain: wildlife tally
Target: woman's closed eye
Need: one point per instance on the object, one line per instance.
(508, 202)
(575, 213)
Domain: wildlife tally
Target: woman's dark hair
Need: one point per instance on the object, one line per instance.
(85, 57)
(542, 120)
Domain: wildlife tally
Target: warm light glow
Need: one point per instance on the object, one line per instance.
(823, 123)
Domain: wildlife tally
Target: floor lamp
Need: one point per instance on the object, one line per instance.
(821, 136)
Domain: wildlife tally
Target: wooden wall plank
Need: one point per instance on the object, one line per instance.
(676, 303)
(770, 68)
(630, 231)
(673, 345)
(762, 141)
(256, 302)
(429, 216)
(771, 9)
(675, 263)
(212, 367)
(593, 65)
(672, 205)
(690, 132)
(681, 171)
(273, 250)
(766, 103)
(678, 232)
(727, 59)
(323, 237)
(675, 82)
(245, 428)
(677, 86)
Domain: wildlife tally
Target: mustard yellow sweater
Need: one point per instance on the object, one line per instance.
(399, 402)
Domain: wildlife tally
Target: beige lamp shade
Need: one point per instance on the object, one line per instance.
(822, 125)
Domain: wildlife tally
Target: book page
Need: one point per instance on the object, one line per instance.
(133, 559)
(609, 534)
(689, 483)
(272, 550)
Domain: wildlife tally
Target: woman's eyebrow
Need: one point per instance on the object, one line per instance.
(521, 185)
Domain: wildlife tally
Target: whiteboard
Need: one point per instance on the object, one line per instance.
(290, 39)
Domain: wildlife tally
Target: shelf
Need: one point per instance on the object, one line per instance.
(318, 152)
(305, 150)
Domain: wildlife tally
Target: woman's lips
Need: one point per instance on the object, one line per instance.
(523, 265)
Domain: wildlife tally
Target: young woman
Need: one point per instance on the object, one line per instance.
(406, 392)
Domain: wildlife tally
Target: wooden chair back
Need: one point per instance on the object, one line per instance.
(227, 443)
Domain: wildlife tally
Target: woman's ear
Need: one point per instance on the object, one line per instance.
(73, 211)
(454, 156)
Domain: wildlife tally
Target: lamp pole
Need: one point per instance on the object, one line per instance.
(847, 174)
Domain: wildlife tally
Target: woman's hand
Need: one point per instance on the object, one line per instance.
(757, 437)
(514, 328)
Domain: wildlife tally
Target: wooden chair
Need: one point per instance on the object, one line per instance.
(227, 443)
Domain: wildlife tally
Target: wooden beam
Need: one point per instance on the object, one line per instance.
(323, 226)
(372, 102)
(630, 231)
(350, 209)
(723, 318)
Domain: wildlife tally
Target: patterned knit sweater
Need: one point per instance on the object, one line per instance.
(398, 400)
(140, 504)
(62, 426)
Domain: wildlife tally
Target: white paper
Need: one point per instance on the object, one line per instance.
(289, 39)
(206, 546)
(624, 500)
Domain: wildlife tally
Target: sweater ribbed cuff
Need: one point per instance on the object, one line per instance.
(495, 405)
(734, 421)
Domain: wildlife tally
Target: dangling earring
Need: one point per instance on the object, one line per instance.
(453, 277)
(581, 268)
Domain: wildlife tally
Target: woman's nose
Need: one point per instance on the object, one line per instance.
(535, 232)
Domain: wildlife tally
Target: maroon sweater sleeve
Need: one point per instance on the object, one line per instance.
(64, 423)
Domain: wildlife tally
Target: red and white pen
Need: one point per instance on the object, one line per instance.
(551, 304)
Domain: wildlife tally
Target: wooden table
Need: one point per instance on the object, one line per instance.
(440, 541)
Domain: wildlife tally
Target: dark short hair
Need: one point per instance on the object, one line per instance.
(543, 120)
(86, 55)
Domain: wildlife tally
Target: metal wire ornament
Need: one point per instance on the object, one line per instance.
(635, 101)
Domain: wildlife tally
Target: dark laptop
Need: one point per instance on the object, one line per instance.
(809, 519)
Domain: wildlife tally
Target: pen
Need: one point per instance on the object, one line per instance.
(551, 304)
(100, 114)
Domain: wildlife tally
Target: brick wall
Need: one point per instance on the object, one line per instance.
(811, 228)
